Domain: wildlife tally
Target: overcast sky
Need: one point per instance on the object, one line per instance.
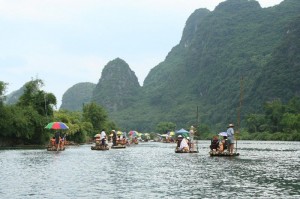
(64, 42)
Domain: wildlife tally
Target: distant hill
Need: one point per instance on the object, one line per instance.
(118, 86)
(79, 94)
(237, 41)
(14, 96)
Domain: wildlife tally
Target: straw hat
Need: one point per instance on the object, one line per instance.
(230, 125)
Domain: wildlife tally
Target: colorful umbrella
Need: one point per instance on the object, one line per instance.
(133, 133)
(56, 125)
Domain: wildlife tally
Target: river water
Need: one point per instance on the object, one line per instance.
(152, 170)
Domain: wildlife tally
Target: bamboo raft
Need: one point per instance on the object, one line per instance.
(100, 147)
(211, 153)
(177, 150)
(119, 146)
(53, 148)
(186, 151)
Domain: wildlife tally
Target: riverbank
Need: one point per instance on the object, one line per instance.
(261, 136)
(21, 147)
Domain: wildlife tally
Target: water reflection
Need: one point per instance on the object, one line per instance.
(152, 170)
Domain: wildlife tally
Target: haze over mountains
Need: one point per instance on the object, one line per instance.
(237, 44)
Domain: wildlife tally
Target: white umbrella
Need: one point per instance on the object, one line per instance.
(223, 133)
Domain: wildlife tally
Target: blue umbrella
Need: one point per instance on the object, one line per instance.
(182, 131)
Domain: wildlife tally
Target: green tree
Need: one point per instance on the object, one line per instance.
(36, 111)
(274, 111)
(2, 91)
(41, 101)
(96, 115)
(164, 127)
(293, 105)
(203, 132)
(254, 122)
(290, 122)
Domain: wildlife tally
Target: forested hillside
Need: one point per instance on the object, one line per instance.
(239, 49)
(118, 86)
(76, 96)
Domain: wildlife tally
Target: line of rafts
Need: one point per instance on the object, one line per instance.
(120, 144)
(185, 145)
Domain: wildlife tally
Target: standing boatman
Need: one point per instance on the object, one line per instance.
(103, 137)
(57, 139)
(230, 138)
(114, 137)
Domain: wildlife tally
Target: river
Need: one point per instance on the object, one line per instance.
(264, 169)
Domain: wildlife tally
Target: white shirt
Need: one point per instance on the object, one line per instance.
(183, 144)
(103, 135)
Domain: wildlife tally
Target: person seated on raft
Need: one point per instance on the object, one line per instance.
(62, 142)
(114, 137)
(223, 144)
(215, 145)
(184, 145)
(118, 139)
(52, 141)
(97, 140)
(178, 141)
(124, 141)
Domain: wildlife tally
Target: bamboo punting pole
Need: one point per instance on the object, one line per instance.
(239, 112)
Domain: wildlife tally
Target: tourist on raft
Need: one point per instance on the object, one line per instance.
(52, 141)
(103, 137)
(230, 138)
(184, 145)
(223, 144)
(178, 141)
(215, 145)
(62, 141)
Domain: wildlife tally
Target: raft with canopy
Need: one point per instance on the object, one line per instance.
(184, 147)
(57, 143)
